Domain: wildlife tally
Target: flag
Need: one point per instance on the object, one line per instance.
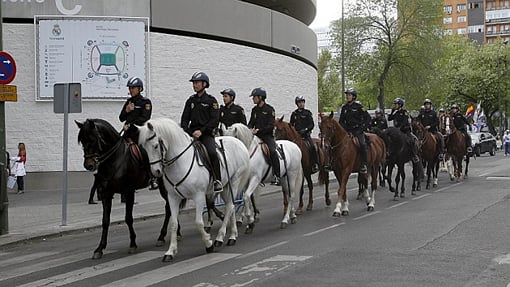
(470, 111)
(478, 110)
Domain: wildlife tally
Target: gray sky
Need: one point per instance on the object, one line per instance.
(327, 11)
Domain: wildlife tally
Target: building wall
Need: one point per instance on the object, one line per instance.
(173, 59)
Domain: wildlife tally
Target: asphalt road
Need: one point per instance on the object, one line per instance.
(453, 235)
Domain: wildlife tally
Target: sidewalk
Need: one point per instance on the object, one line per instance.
(38, 212)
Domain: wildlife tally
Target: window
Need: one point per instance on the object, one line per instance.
(461, 19)
(461, 31)
(491, 5)
(475, 5)
(505, 4)
(475, 29)
(448, 32)
(448, 9)
(447, 20)
(461, 7)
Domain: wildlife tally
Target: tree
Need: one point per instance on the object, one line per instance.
(390, 45)
(329, 82)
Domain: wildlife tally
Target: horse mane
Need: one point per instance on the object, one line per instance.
(98, 124)
(241, 132)
(164, 128)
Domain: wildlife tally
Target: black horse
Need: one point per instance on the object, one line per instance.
(118, 171)
(398, 154)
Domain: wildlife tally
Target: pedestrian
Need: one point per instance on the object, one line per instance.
(262, 125)
(200, 118)
(506, 142)
(18, 168)
(230, 113)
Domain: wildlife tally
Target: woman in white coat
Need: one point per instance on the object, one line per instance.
(18, 167)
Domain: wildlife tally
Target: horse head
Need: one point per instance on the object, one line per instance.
(241, 132)
(285, 131)
(329, 128)
(97, 138)
(154, 146)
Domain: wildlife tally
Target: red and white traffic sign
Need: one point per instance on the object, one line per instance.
(7, 68)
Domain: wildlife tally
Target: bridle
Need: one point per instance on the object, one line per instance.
(99, 158)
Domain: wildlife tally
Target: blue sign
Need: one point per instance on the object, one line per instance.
(7, 68)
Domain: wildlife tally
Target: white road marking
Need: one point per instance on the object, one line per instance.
(92, 271)
(263, 249)
(51, 263)
(323, 229)
(259, 266)
(421, 196)
(503, 259)
(367, 215)
(447, 187)
(397, 205)
(173, 270)
(498, 178)
(24, 258)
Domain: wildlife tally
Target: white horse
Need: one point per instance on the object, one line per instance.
(173, 156)
(290, 170)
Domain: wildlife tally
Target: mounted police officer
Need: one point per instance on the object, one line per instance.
(379, 122)
(460, 122)
(401, 120)
(352, 119)
(302, 120)
(428, 118)
(262, 125)
(199, 119)
(136, 111)
(231, 113)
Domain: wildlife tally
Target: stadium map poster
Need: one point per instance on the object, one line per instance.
(99, 53)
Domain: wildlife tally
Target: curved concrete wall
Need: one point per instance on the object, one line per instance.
(173, 58)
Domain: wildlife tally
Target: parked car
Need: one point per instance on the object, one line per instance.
(483, 142)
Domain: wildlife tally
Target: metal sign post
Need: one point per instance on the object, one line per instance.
(66, 99)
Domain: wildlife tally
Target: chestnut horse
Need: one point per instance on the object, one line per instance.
(428, 151)
(285, 131)
(455, 148)
(346, 159)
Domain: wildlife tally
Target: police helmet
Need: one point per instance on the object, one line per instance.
(230, 92)
(379, 111)
(399, 101)
(299, 99)
(200, 76)
(427, 101)
(441, 110)
(422, 108)
(259, 92)
(352, 92)
(454, 106)
(135, 82)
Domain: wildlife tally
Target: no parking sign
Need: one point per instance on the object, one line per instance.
(7, 68)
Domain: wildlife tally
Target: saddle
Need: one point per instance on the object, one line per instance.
(138, 155)
(356, 141)
(267, 154)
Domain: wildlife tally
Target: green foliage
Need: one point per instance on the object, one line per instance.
(329, 82)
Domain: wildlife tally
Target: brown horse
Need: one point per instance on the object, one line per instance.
(428, 151)
(455, 148)
(346, 159)
(285, 131)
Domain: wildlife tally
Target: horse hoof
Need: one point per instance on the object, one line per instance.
(249, 228)
(370, 208)
(160, 243)
(218, 243)
(395, 198)
(207, 229)
(402, 195)
(167, 258)
(299, 211)
(309, 208)
(418, 188)
(231, 242)
(239, 223)
(345, 213)
(132, 250)
(413, 192)
(283, 225)
(359, 197)
(97, 255)
(209, 249)
(293, 220)
(434, 185)
(179, 237)
(328, 202)
(336, 214)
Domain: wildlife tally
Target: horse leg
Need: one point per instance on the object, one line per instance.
(429, 171)
(403, 177)
(199, 222)
(435, 171)
(361, 188)
(107, 210)
(249, 196)
(299, 210)
(286, 208)
(390, 172)
(467, 163)
(397, 182)
(228, 220)
(342, 209)
(130, 201)
(373, 188)
(172, 249)
(164, 229)
(326, 192)
(309, 183)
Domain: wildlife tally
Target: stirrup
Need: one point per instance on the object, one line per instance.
(218, 187)
(416, 159)
(469, 149)
(363, 168)
(315, 168)
(153, 184)
(276, 181)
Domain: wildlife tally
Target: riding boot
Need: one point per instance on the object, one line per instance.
(153, 183)
(313, 155)
(414, 149)
(363, 155)
(218, 187)
(440, 148)
(276, 169)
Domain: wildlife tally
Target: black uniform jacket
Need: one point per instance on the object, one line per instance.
(380, 124)
(429, 118)
(399, 117)
(232, 114)
(141, 113)
(352, 116)
(262, 118)
(460, 121)
(200, 113)
(302, 120)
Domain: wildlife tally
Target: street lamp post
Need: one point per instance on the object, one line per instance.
(343, 55)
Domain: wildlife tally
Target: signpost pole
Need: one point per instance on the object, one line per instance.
(4, 202)
(65, 145)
